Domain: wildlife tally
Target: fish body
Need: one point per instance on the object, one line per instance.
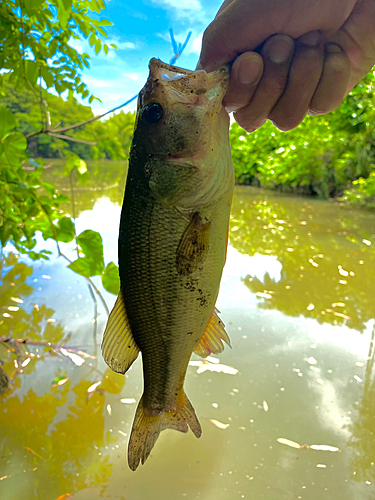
(172, 244)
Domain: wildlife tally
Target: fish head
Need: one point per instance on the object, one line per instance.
(177, 109)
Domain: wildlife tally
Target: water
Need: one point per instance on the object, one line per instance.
(297, 297)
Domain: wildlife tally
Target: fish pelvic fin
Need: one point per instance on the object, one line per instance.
(211, 341)
(148, 426)
(119, 348)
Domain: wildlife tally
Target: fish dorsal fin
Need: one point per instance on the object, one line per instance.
(211, 341)
(193, 246)
(118, 347)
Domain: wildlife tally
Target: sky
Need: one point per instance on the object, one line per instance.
(141, 31)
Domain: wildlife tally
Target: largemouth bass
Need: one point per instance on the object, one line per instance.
(172, 245)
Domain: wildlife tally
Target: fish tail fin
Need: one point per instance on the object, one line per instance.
(146, 429)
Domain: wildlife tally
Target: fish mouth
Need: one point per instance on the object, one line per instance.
(183, 85)
(188, 82)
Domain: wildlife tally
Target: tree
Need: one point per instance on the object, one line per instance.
(35, 53)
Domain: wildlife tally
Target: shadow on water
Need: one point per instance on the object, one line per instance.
(297, 297)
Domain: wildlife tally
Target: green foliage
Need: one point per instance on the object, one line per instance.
(28, 204)
(112, 136)
(322, 156)
(92, 263)
(75, 162)
(35, 40)
(111, 278)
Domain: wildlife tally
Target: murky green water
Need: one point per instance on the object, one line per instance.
(297, 296)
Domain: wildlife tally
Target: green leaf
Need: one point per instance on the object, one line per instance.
(111, 279)
(86, 267)
(105, 49)
(47, 76)
(113, 46)
(7, 122)
(98, 46)
(105, 22)
(91, 244)
(64, 10)
(14, 147)
(65, 230)
(50, 188)
(83, 174)
(72, 162)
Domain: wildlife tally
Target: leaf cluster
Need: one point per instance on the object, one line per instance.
(36, 42)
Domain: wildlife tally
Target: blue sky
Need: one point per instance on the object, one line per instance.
(141, 31)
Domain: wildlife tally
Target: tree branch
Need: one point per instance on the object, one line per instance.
(73, 139)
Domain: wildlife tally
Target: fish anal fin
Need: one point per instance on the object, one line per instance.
(211, 341)
(193, 246)
(119, 347)
(148, 426)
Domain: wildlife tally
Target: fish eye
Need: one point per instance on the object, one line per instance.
(152, 112)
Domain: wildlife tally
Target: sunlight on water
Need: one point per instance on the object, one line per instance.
(288, 412)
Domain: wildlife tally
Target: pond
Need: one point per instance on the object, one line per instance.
(288, 412)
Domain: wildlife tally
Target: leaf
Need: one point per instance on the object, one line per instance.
(288, 442)
(85, 267)
(105, 22)
(83, 174)
(65, 230)
(47, 76)
(98, 46)
(111, 278)
(14, 147)
(218, 424)
(77, 360)
(7, 122)
(75, 162)
(91, 244)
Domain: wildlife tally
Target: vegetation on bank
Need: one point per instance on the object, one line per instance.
(328, 156)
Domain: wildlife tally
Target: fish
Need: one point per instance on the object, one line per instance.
(172, 245)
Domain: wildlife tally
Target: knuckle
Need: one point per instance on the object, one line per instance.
(275, 86)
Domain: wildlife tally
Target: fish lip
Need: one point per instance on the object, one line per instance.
(188, 82)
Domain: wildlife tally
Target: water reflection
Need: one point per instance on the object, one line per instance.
(362, 440)
(318, 389)
(326, 258)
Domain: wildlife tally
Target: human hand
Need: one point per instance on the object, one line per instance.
(317, 70)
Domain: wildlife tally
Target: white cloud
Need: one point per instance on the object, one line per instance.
(194, 46)
(133, 76)
(123, 45)
(182, 7)
(96, 82)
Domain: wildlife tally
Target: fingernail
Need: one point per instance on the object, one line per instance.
(248, 72)
(332, 48)
(280, 50)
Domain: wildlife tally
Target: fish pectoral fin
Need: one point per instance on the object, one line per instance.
(211, 341)
(193, 246)
(119, 348)
(146, 429)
